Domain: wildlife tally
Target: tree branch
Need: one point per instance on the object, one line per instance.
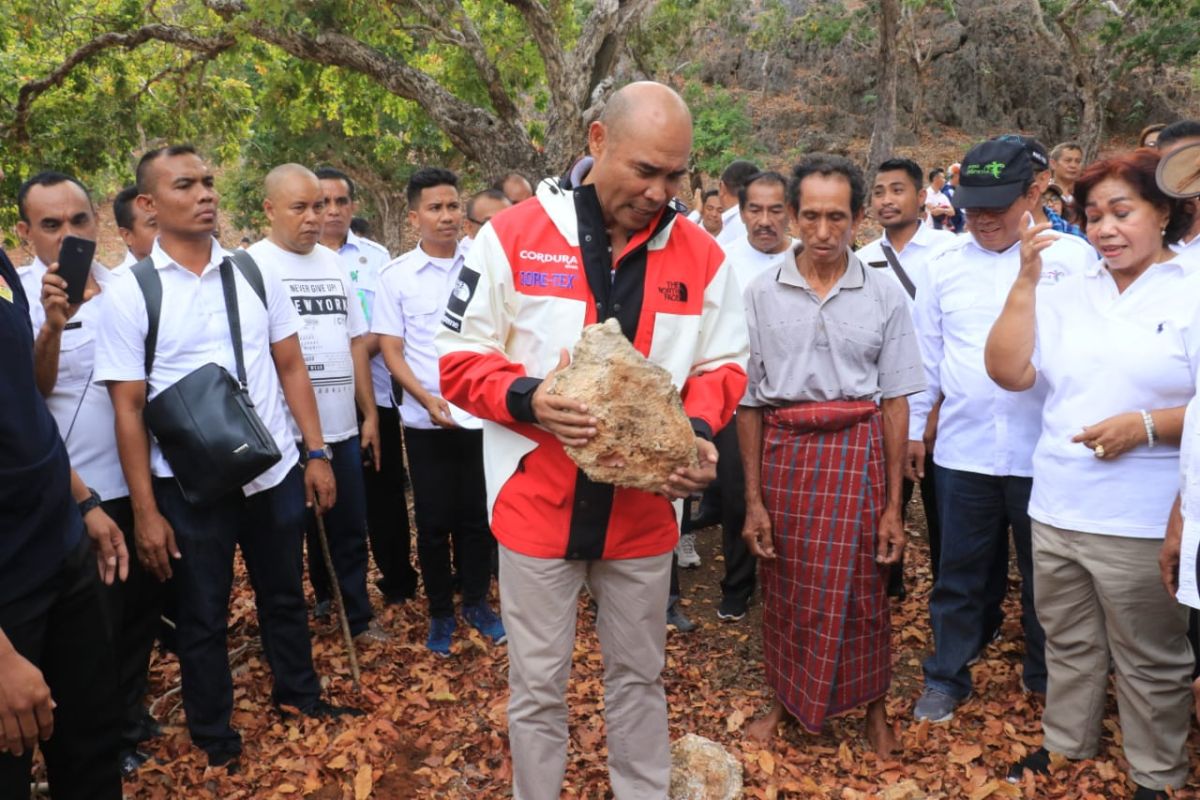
(473, 43)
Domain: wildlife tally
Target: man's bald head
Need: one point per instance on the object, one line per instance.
(295, 205)
(641, 144)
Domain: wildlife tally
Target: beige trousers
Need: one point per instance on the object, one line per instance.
(1100, 595)
(539, 602)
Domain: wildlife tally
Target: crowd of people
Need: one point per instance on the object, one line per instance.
(1020, 345)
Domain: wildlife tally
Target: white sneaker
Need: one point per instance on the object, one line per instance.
(686, 551)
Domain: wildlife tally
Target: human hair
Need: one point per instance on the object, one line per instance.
(1183, 129)
(1063, 147)
(490, 194)
(736, 174)
(123, 207)
(1138, 170)
(933, 173)
(427, 178)
(142, 174)
(1149, 129)
(906, 165)
(360, 226)
(46, 178)
(769, 176)
(827, 164)
(711, 193)
(334, 174)
(498, 184)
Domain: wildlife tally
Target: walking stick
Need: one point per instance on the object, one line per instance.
(337, 597)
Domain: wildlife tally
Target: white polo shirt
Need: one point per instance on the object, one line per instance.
(194, 331)
(982, 428)
(1101, 353)
(83, 412)
(927, 241)
(330, 316)
(1188, 252)
(363, 260)
(747, 262)
(410, 302)
(732, 227)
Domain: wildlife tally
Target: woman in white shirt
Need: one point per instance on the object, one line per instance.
(1117, 349)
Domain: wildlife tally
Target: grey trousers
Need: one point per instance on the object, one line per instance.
(1098, 595)
(539, 603)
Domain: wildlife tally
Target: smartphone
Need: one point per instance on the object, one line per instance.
(74, 264)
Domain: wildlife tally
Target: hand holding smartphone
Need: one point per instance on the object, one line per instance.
(74, 265)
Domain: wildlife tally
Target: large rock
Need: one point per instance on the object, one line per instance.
(701, 769)
(642, 434)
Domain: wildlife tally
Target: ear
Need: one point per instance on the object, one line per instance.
(126, 236)
(412, 217)
(269, 210)
(145, 204)
(597, 139)
(23, 230)
(921, 195)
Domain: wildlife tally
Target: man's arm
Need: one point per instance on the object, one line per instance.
(48, 345)
(26, 707)
(895, 442)
(392, 348)
(112, 557)
(757, 527)
(364, 396)
(319, 489)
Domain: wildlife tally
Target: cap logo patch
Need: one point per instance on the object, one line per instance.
(993, 168)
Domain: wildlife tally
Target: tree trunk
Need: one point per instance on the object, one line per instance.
(884, 132)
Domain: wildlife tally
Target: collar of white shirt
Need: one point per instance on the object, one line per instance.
(162, 259)
(426, 260)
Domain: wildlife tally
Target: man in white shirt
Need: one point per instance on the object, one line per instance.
(985, 435)
(1066, 164)
(480, 209)
(137, 228)
(897, 197)
(387, 509)
(195, 543)
(51, 206)
(936, 202)
(444, 443)
(732, 180)
(331, 337)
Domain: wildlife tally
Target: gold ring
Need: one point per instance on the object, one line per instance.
(1099, 451)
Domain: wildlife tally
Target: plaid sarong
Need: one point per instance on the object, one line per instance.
(826, 620)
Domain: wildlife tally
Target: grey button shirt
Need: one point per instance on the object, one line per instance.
(856, 343)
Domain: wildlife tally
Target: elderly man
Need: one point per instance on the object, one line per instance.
(822, 430)
(481, 207)
(601, 243)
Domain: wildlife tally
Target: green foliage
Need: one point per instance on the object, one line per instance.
(722, 127)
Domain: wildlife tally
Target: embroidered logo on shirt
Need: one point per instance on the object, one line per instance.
(1052, 275)
(1159, 329)
(567, 260)
(674, 291)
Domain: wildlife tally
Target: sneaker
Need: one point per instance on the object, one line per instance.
(441, 629)
(677, 620)
(732, 609)
(686, 551)
(131, 761)
(1146, 793)
(228, 757)
(481, 617)
(1037, 762)
(323, 609)
(322, 709)
(935, 706)
(373, 634)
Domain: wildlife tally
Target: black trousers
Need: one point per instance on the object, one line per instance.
(387, 513)
(269, 528)
(740, 564)
(62, 628)
(135, 608)
(346, 532)
(450, 499)
(933, 526)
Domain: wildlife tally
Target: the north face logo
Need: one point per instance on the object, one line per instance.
(675, 291)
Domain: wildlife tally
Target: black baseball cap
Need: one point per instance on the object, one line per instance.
(1038, 153)
(993, 175)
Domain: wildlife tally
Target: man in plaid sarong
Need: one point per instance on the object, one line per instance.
(822, 430)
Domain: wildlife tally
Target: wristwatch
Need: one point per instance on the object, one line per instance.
(92, 501)
(324, 454)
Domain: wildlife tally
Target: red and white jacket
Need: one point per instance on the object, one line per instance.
(527, 289)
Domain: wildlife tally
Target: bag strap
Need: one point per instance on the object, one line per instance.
(235, 320)
(250, 271)
(905, 281)
(151, 286)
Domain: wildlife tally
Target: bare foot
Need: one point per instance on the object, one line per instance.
(762, 730)
(879, 730)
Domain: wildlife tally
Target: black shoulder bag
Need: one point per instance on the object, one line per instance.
(205, 423)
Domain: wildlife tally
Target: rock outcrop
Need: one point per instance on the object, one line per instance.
(642, 433)
(701, 769)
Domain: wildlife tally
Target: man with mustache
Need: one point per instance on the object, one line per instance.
(897, 198)
(985, 435)
(444, 443)
(332, 330)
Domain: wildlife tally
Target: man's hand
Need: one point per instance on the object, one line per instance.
(26, 708)
(368, 438)
(439, 412)
(891, 537)
(320, 490)
(914, 461)
(567, 419)
(54, 298)
(687, 481)
(757, 531)
(155, 542)
(112, 558)
(1168, 556)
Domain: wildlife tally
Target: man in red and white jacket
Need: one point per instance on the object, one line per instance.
(603, 242)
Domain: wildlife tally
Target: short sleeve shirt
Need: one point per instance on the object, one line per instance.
(856, 343)
(363, 260)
